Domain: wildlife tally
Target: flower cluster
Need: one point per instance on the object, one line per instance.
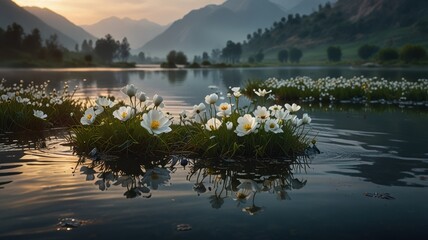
(23, 105)
(219, 120)
(356, 89)
(153, 119)
(134, 125)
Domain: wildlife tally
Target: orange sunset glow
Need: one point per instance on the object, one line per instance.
(88, 12)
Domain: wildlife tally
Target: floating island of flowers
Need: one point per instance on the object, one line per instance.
(212, 129)
(346, 90)
(139, 126)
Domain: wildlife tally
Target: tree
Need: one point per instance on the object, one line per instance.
(32, 43)
(54, 48)
(142, 57)
(215, 55)
(170, 58)
(205, 56)
(251, 59)
(388, 54)
(259, 56)
(412, 53)
(367, 51)
(232, 52)
(295, 55)
(181, 58)
(124, 50)
(13, 36)
(283, 56)
(106, 48)
(334, 54)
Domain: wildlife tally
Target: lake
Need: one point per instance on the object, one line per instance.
(369, 182)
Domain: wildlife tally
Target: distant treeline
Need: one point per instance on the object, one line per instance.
(30, 49)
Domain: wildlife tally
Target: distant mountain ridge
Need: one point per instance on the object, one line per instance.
(138, 32)
(61, 24)
(213, 25)
(347, 21)
(10, 12)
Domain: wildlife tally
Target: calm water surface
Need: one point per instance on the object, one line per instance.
(363, 152)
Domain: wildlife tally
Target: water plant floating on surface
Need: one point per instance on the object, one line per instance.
(346, 90)
(35, 107)
(228, 131)
(210, 130)
(137, 128)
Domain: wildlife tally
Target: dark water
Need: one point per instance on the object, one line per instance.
(333, 196)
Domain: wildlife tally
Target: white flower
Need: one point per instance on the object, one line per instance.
(98, 109)
(157, 101)
(297, 122)
(274, 109)
(262, 114)
(249, 185)
(306, 119)
(155, 177)
(141, 96)
(39, 114)
(229, 125)
(155, 122)
(213, 124)
(89, 117)
(224, 110)
(4, 97)
(246, 125)
(129, 90)
(236, 91)
(211, 99)
(198, 112)
(284, 115)
(261, 93)
(272, 125)
(105, 102)
(293, 108)
(124, 113)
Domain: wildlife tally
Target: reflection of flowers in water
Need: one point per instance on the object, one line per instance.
(89, 172)
(155, 177)
(216, 201)
(105, 180)
(138, 177)
(246, 189)
(243, 181)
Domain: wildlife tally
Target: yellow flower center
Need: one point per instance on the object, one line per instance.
(212, 127)
(272, 125)
(241, 196)
(224, 107)
(247, 127)
(263, 117)
(124, 114)
(89, 116)
(154, 176)
(155, 124)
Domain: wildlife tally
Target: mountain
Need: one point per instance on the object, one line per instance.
(60, 23)
(307, 6)
(138, 32)
(212, 26)
(10, 12)
(389, 23)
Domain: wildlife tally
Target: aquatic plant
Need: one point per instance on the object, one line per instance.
(229, 131)
(210, 130)
(345, 90)
(136, 127)
(36, 107)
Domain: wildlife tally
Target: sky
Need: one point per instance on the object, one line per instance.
(82, 12)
